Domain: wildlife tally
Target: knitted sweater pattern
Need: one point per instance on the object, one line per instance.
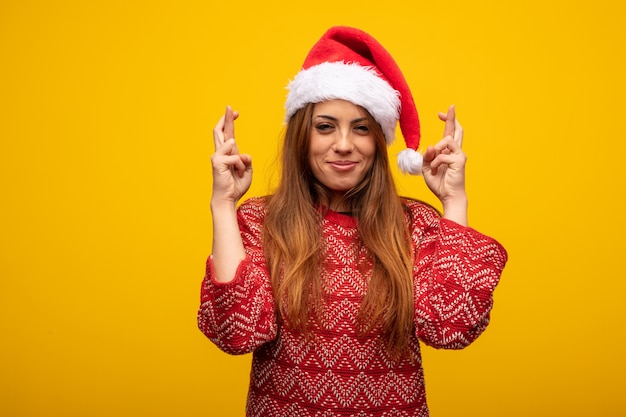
(337, 371)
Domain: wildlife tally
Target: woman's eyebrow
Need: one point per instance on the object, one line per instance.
(334, 119)
(324, 116)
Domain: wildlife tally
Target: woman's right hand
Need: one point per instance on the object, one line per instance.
(232, 171)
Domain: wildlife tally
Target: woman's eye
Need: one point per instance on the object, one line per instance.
(324, 127)
(362, 129)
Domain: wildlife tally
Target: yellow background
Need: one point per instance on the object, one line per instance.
(105, 125)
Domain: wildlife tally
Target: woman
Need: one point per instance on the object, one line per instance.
(334, 279)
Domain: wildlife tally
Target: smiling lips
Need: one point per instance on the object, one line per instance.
(342, 165)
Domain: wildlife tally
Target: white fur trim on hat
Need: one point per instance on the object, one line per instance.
(351, 82)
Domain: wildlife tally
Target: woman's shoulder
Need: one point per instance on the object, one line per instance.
(254, 207)
(420, 211)
(419, 206)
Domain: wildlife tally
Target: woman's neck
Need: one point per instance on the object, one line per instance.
(337, 203)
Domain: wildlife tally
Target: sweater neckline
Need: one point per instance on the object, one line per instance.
(342, 219)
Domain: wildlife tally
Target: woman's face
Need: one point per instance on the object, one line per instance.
(342, 146)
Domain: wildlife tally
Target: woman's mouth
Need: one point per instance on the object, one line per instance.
(342, 165)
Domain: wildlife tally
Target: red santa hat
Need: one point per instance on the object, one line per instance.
(349, 64)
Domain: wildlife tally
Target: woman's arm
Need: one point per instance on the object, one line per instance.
(456, 272)
(232, 176)
(239, 315)
(236, 302)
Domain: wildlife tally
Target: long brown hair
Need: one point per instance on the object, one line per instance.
(294, 259)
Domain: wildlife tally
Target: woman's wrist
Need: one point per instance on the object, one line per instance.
(455, 209)
(223, 205)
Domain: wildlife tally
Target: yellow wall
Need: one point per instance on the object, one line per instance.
(106, 112)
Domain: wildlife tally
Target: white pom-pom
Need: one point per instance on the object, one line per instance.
(410, 162)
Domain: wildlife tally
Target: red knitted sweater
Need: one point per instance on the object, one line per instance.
(338, 372)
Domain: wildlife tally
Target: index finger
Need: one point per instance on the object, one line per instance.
(218, 133)
(458, 133)
(229, 123)
(450, 122)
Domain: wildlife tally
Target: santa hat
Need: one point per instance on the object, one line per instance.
(348, 64)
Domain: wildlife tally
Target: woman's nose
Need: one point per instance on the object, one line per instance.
(343, 143)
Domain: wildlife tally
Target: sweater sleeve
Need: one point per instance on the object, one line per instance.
(456, 272)
(239, 316)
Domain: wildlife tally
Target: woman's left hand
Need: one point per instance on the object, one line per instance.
(444, 170)
(444, 163)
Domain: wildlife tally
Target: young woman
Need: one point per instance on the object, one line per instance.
(334, 279)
